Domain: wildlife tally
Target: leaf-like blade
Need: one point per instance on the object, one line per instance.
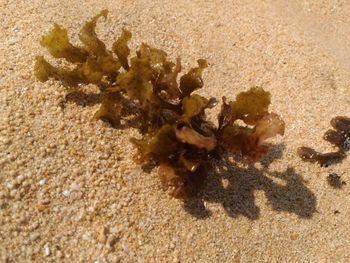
(193, 79)
(120, 47)
(57, 43)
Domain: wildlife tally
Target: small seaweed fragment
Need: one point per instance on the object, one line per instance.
(339, 136)
(176, 134)
(335, 181)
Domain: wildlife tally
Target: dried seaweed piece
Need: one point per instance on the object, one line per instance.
(340, 137)
(58, 45)
(120, 47)
(266, 127)
(193, 79)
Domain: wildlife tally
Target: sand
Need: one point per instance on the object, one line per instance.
(69, 191)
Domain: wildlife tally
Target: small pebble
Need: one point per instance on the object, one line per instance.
(34, 236)
(111, 242)
(66, 193)
(87, 236)
(10, 185)
(102, 234)
(20, 179)
(12, 41)
(42, 182)
(74, 187)
(59, 254)
(47, 251)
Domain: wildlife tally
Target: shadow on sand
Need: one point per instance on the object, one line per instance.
(237, 195)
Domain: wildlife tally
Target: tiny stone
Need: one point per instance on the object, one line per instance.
(42, 182)
(74, 187)
(87, 236)
(10, 185)
(12, 173)
(47, 251)
(13, 193)
(20, 179)
(111, 242)
(12, 40)
(294, 236)
(6, 141)
(59, 254)
(34, 226)
(66, 193)
(34, 236)
(102, 235)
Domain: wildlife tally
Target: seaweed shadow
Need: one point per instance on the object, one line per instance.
(275, 152)
(236, 195)
(84, 99)
(81, 98)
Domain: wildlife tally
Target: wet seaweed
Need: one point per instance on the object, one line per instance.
(176, 133)
(339, 136)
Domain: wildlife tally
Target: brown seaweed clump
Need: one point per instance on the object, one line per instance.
(339, 136)
(177, 135)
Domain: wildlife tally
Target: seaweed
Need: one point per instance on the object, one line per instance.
(335, 181)
(339, 136)
(176, 133)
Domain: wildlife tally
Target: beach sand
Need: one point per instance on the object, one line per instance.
(70, 192)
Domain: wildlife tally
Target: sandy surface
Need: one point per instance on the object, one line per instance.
(69, 191)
